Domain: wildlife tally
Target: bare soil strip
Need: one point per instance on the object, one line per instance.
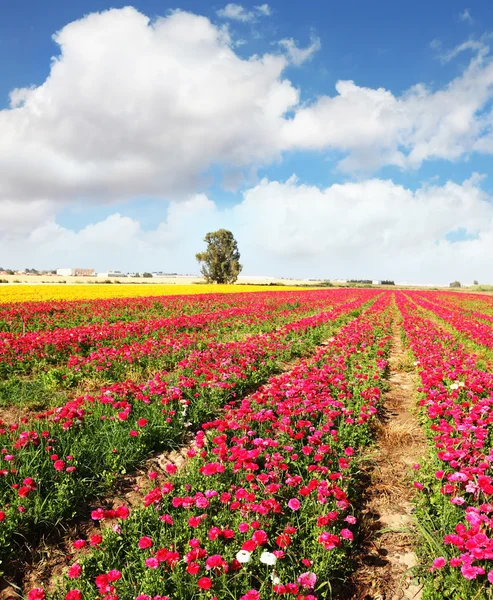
(384, 567)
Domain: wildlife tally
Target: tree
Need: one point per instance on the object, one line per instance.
(455, 284)
(476, 282)
(220, 261)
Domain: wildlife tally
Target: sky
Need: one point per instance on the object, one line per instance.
(335, 140)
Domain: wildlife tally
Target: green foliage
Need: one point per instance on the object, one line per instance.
(455, 284)
(220, 261)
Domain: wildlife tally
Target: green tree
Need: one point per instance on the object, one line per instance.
(455, 284)
(220, 261)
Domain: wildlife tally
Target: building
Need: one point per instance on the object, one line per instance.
(376, 282)
(84, 272)
(65, 272)
(107, 274)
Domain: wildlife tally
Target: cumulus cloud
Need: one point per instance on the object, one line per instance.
(134, 108)
(298, 55)
(372, 228)
(236, 12)
(376, 128)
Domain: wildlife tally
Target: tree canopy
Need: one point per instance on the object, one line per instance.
(220, 261)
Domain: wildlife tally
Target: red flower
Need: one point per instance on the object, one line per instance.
(122, 512)
(73, 595)
(36, 594)
(114, 575)
(95, 540)
(204, 583)
(193, 568)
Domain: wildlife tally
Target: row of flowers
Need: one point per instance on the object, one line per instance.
(455, 506)
(105, 352)
(18, 294)
(58, 344)
(21, 317)
(264, 505)
(472, 325)
(54, 462)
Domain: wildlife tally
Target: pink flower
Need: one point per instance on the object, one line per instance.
(36, 594)
(418, 485)
(307, 580)
(145, 542)
(152, 562)
(73, 595)
(347, 534)
(251, 595)
(470, 572)
(294, 504)
(59, 465)
(438, 563)
(74, 571)
(114, 575)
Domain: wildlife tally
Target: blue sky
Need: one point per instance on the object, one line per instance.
(77, 187)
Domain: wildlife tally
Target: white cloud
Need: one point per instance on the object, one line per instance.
(373, 228)
(236, 12)
(264, 9)
(376, 128)
(297, 55)
(478, 46)
(465, 16)
(135, 108)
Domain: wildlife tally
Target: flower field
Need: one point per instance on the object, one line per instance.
(80, 291)
(274, 400)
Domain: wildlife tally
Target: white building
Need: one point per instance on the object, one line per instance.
(65, 272)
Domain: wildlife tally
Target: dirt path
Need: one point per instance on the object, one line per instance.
(384, 567)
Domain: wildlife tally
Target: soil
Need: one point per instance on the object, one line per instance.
(384, 565)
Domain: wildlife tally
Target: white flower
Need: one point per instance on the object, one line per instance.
(461, 384)
(243, 556)
(275, 578)
(454, 386)
(268, 558)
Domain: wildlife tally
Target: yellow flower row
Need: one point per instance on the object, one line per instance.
(45, 292)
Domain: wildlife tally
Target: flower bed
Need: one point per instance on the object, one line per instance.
(263, 507)
(53, 463)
